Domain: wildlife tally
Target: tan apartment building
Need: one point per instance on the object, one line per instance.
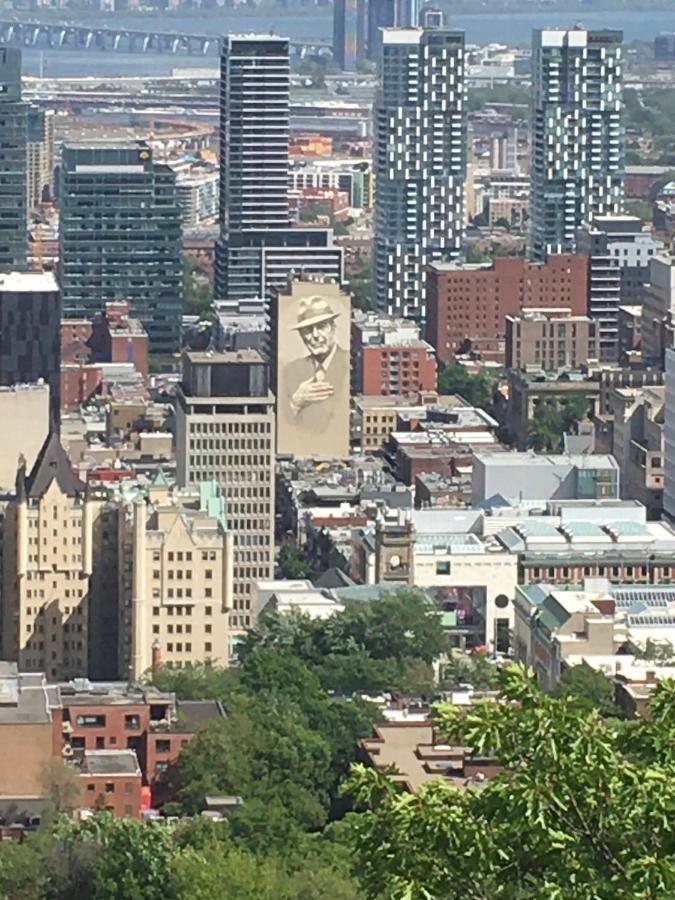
(176, 578)
(375, 417)
(550, 339)
(225, 433)
(59, 553)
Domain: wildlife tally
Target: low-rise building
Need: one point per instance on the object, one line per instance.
(597, 623)
(388, 356)
(468, 303)
(550, 340)
(538, 476)
(111, 781)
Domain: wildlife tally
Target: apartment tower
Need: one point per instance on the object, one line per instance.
(420, 163)
(257, 248)
(577, 153)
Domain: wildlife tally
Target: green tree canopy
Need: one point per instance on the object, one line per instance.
(477, 390)
(581, 810)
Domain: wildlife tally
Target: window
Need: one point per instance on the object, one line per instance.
(109, 787)
(100, 743)
(163, 746)
(127, 809)
(131, 723)
(90, 721)
(128, 787)
(443, 567)
(91, 787)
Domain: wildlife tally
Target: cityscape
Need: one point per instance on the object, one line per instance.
(337, 508)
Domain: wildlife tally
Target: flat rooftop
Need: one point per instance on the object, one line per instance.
(110, 762)
(28, 282)
(223, 356)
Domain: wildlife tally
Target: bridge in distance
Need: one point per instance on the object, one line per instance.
(63, 36)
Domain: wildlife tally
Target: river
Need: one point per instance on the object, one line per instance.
(513, 29)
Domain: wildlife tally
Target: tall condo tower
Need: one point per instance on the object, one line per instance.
(420, 162)
(13, 163)
(577, 153)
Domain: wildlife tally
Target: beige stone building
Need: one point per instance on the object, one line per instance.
(176, 578)
(26, 407)
(59, 560)
(550, 339)
(225, 433)
(39, 155)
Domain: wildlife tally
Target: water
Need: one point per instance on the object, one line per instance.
(512, 29)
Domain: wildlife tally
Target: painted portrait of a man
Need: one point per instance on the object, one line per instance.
(313, 401)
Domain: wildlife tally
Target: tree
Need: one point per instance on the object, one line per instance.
(195, 681)
(475, 670)
(21, 872)
(576, 813)
(197, 292)
(478, 390)
(360, 282)
(62, 787)
(291, 562)
(588, 686)
(554, 418)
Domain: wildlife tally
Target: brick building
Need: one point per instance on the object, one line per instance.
(389, 358)
(119, 338)
(467, 304)
(111, 780)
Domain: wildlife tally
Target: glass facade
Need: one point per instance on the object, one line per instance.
(120, 238)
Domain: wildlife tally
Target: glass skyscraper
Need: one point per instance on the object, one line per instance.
(13, 163)
(120, 238)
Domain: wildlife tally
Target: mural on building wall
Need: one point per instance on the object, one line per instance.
(313, 329)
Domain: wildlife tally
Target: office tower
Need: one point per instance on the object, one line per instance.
(349, 33)
(254, 212)
(311, 359)
(577, 154)
(13, 112)
(420, 163)
(619, 253)
(30, 322)
(225, 433)
(120, 238)
(175, 577)
(59, 575)
(40, 155)
(381, 14)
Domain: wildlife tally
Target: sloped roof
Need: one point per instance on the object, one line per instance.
(53, 463)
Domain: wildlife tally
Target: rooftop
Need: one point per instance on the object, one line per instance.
(110, 762)
(28, 282)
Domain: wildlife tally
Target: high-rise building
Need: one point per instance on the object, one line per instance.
(13, 114)
(225, 433)
(669, 438)
(175, 577)
(381, 14)
(40, 155)
(619, 254)
(256, 243)
(349, 33)
(59, 590)
(120, 238)
(420, 163)
(577, 154)
(30, 322)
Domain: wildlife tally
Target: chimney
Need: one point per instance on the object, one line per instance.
(156, 654)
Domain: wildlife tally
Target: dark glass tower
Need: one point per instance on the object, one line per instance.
(120, 238)
(13, 163)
